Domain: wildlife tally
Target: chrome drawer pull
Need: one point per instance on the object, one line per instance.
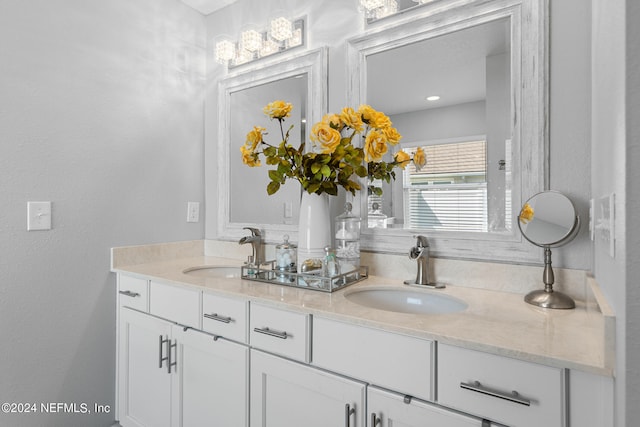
(348, 411)
(479, 388)
(129, 294)
(215, 316)
(282, 335)
(162, 358)
(375, 420)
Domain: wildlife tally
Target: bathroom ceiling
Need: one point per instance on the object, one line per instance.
(207, 6)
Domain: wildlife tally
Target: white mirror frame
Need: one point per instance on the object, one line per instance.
(529, 106)
(312, 63)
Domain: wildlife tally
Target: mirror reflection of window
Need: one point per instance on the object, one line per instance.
(450, 192)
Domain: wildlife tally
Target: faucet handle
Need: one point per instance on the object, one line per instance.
(421, 241)
(254, 231)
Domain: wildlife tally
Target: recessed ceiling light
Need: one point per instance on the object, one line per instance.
(433, 98)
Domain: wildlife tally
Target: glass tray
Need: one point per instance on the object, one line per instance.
(268, 274)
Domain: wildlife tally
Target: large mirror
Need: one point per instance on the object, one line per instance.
(300, 80)
(484, 133)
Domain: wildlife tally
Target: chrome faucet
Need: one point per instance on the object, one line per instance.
(256, 243)
(420, 252)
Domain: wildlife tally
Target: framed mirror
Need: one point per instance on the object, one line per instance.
(299, 79)
(485, 137)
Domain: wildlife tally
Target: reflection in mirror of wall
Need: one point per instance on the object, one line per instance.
(468, 85)
(299, 79)
(249, 184)
(464, 131)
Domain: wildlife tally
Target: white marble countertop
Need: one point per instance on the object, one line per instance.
(495, 322)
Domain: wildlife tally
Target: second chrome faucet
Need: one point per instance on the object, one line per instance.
(420, 252)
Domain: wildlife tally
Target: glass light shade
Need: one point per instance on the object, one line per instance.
(243, 57)
(281, 29)
(251, 40)
(390, 7)
(371, 4)
(296, 39)
(269, 47)
(225, 51)
(422, 1)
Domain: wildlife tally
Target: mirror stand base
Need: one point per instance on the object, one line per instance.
(549, 299)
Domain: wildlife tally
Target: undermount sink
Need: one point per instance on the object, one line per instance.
(406, 301)
(213, 271)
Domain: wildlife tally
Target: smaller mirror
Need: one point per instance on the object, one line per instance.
(547, 220)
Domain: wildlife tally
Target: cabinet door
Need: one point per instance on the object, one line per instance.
(289, 394)
(211, 388)
(391, 410)
(144, 386)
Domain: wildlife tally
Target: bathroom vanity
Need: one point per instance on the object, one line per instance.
(196, 350)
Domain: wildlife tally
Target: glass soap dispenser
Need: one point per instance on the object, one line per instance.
(347, 240)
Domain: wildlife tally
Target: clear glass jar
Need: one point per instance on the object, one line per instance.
(286, 255)
(347, 239)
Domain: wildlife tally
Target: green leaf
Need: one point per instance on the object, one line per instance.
(270, 151)
(361, 171)
(315, 168)
(326, 171)
(312, 188)
(275, 176)
(273, 187)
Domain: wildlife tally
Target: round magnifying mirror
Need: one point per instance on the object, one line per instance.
(549, 219)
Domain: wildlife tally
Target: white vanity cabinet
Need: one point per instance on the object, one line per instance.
(176, 376)
(286, 393)
(170, 374)
(388, 409)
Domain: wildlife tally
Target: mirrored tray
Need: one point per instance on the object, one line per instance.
(268, 274)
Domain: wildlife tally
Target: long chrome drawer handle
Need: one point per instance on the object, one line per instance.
(215, 316)
(479, 388)
(282, 335)
(129, 293)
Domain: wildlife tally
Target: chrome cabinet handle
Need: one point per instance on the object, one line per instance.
(215, 316)
(514, 396)
(282, 335)
(375, 420)
(162, 341)
(170, 361)
(348, 411)
(129, 294)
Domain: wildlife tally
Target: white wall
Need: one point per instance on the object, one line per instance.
(616, 153)
(100, 113)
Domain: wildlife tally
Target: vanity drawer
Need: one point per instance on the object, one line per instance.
(280, 332)
(386, 359)
(133, 292)
(174, 303)
(509, 391)
(224, 316)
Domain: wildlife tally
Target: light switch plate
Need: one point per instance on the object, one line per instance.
(38, 216)
(605, 222)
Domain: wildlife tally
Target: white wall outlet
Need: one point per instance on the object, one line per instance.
(193, 211)
(38, 216)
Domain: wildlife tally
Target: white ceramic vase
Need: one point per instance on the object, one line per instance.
(314, 228)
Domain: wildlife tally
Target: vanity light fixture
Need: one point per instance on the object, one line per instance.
(377, 9)
(281, 35)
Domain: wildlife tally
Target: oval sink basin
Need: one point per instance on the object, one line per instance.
(406, 301)
(214, 271)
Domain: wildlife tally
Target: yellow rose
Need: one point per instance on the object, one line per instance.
(254, 137)
(419, 159)
(326, 137)
(351, 118)
(332, 120)
(366, 112)
(249, 158)
(375, 146)
(380, 121)
(402, 159)
(526, 214)
(278, 109)
(392, 135)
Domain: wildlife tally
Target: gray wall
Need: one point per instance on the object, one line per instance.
(100, 113)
